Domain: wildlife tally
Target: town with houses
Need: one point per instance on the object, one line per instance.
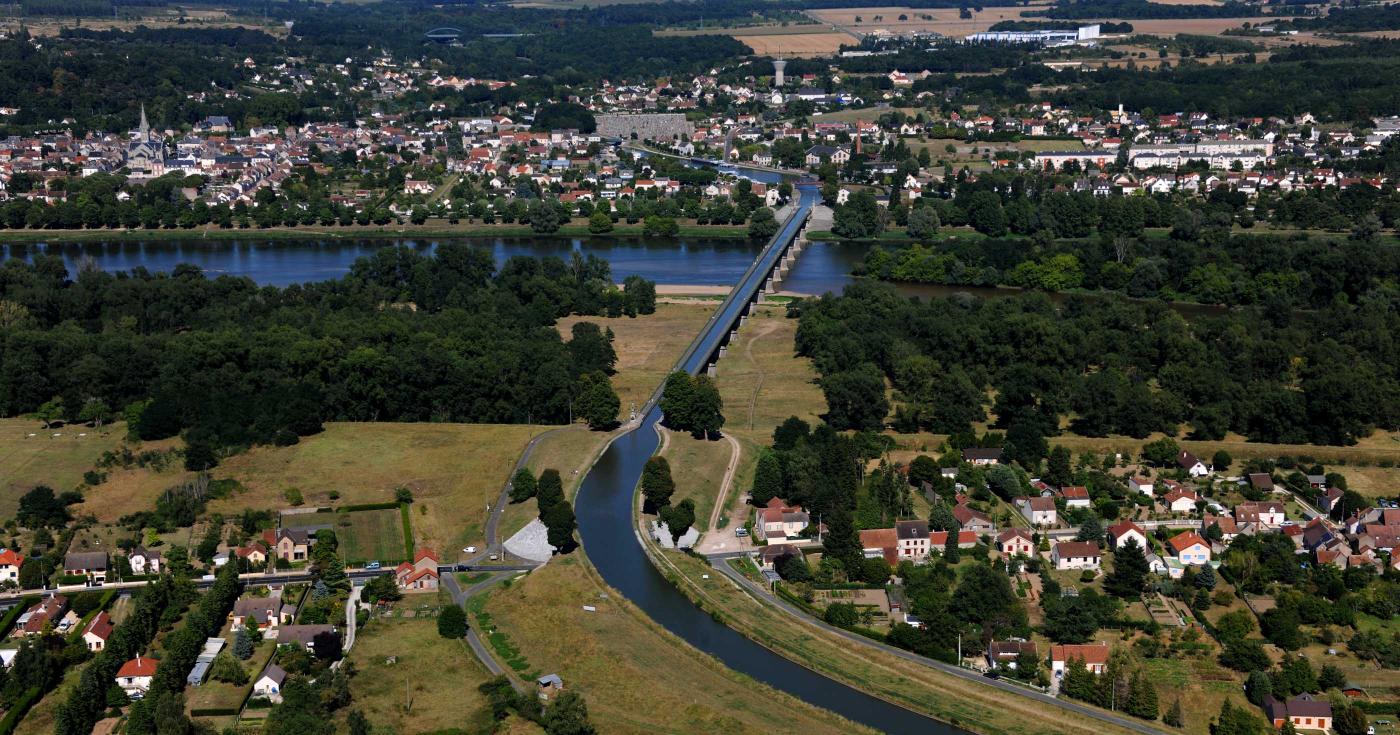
(1110, 152)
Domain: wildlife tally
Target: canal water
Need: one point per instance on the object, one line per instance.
(686, 261)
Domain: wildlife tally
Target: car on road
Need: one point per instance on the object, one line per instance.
(372, 566)
(469, 550)
(495, 557)
(992, 674)
(741, 532)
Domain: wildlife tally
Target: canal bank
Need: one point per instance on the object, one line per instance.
(604, 506)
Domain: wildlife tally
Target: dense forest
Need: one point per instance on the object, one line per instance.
(1107, 365)
(1144, 10)
(404, 337)
(1352, 82)
(100, 78)
(1352, 20)
(1273, 271)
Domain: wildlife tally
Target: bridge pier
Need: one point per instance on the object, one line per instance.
(710, 370)
(723, 350)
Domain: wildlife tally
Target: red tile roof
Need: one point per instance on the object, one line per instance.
(138, 666)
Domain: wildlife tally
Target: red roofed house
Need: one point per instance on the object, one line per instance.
(1303, 711)
(939, 539)
(1076, 555)
(421, 575)
(972, 520)
(1180, 501)
(1076, 496)
(779, 521)
(1015, 541)
(1119, 533)
(134, 677)
(47, 612)
(10, 562)
(1268, 514)
(1094, 656)
(98, 630)
(880, 543)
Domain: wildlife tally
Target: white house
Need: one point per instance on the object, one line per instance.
(135, 676)
(779, 521)
(1193, 466)
(269, 685)
(1014, 541)
(1140, 484)
(1121, 532)
(1268, 514)
(1094, 656)
(1076, 555)
(1038, 511)
(144, 561)
(10, 562)
(98, 630)
(1181, 501)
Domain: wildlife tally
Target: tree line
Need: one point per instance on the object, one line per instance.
(1218, 268)
(1114, 366)
(403, 337)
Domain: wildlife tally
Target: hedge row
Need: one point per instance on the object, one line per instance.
(77, 634)
(407, 531)
(8, 622)
(215, 711)
(21, 708)
(366, 506)
(1378, 708)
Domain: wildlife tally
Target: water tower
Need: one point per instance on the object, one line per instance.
(778, 65)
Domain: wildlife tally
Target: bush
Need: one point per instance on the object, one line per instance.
(452, 622)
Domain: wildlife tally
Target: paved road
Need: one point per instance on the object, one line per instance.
(493, 519)
(460, 597)
(719, 562)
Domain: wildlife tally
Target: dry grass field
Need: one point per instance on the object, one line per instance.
(454, 470)
(157, 18)
(648, 346)
(45, 459)
(570, 451)
(636, 677)
(763, 383)
(698, 466)
(431, 686)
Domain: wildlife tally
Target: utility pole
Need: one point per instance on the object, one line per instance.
(960, 658)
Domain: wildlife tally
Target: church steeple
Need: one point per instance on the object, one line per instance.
(145, 128)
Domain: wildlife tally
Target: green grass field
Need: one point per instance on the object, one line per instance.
(364, 535)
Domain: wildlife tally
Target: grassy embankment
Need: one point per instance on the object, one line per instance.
(577, 227)
(876, 672)
(635, 676)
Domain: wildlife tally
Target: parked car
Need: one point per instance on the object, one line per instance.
(741, 532)
(372, 566)
(469, 550)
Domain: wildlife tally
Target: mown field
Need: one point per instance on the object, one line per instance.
(363, 535)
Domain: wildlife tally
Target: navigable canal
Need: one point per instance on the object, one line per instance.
(605, 516)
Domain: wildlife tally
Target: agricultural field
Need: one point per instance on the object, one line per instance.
(432, 683)
(917, 20)
(636, 677)
(363, 535)
(806, 44)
